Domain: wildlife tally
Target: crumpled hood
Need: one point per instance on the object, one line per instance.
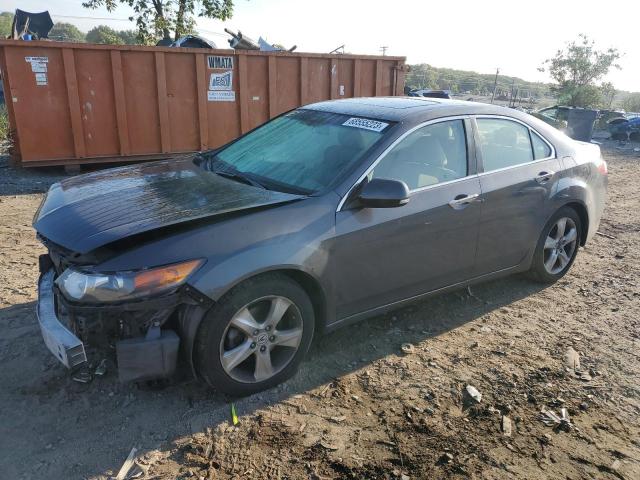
(92, 210)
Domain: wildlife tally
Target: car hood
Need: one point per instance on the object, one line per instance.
(93, 210)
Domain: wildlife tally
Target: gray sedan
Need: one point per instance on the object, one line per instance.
(326, 215)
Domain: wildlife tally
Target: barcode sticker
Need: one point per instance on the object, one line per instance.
(365, 123)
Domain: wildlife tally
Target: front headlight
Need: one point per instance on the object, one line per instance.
(114, 287)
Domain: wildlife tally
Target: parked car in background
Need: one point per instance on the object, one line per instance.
(605, 116)
(326, 215)
(556, 116)
(623, 128)
(578, 123)
(428, 93)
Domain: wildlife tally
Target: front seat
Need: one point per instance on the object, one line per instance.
(417, 165)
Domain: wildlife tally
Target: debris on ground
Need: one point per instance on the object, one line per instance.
(606, 235)
(101, 369)
(552, 419)
(473, 393)
(82, 376)
(328, 446)
(126, 466)
(506, 426)
(234, 416)
(572, 359)
(407, 348)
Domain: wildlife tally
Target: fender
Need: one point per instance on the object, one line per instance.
(190, 316)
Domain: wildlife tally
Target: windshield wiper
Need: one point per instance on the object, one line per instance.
(227, 170)
(242, 177)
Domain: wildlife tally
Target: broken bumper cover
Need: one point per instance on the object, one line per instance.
(64, 345)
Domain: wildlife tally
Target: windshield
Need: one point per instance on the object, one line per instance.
(304, 151)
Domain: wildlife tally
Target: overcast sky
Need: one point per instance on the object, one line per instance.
(516, 36)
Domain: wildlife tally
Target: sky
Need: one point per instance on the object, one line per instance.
(515, 36)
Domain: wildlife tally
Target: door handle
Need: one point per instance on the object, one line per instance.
(463, 200)
(544, 177)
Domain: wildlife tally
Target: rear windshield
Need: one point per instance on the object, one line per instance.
(304, 151)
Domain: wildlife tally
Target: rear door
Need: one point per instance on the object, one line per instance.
(384, 255)
(518, 175)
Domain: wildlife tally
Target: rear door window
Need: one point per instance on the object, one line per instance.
(503, 143)
(540, 148)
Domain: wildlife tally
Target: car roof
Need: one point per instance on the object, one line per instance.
(398, 109)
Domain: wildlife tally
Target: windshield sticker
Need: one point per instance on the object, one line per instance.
(365, 123)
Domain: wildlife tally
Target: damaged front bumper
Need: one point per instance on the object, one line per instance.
(146, 356)
(64, 345)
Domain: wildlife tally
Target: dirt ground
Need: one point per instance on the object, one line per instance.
(360, 407)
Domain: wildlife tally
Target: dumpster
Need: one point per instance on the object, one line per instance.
(72, 104)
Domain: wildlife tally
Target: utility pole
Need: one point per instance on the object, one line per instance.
(495, 83)
(513, 87)
(384, 50)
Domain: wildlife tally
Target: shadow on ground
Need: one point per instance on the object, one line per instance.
(58, 428)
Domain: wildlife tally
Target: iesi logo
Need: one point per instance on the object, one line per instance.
(221, 81)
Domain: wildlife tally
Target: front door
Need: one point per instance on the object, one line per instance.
(518, 177)
(382, 256)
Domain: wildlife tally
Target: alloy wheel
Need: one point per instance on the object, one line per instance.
(560, 245)
(261, 339)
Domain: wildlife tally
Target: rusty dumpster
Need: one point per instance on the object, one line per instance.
(71, 104)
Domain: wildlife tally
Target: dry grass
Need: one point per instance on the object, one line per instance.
(5, 139)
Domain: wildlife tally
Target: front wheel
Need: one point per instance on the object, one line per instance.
(256, 336)
(557, 247)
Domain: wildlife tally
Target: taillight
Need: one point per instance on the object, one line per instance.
(602, 167)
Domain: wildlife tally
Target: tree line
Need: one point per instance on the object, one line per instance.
(67, 32)
(472, 83)
(578, 72)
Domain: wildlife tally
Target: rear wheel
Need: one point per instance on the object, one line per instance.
(557, 247)
(256, 336)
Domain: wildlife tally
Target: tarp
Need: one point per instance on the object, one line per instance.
(37, 24)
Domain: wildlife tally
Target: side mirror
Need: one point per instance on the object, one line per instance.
(384, 193)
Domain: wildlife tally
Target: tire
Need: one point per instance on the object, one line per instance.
(232, 358)
(543, 267)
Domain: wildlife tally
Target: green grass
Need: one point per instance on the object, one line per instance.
(5, 141)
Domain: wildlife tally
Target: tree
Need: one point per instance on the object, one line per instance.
(129, 37)
(104, 34)
(632, 103)
(577, 70)
(607, 92)
(66, 32)
(6, 19)
(162, 18)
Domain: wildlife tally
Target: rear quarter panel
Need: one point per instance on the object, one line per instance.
(582, 183)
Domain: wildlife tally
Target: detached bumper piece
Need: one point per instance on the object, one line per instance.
(64, 345)
(149, 357)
